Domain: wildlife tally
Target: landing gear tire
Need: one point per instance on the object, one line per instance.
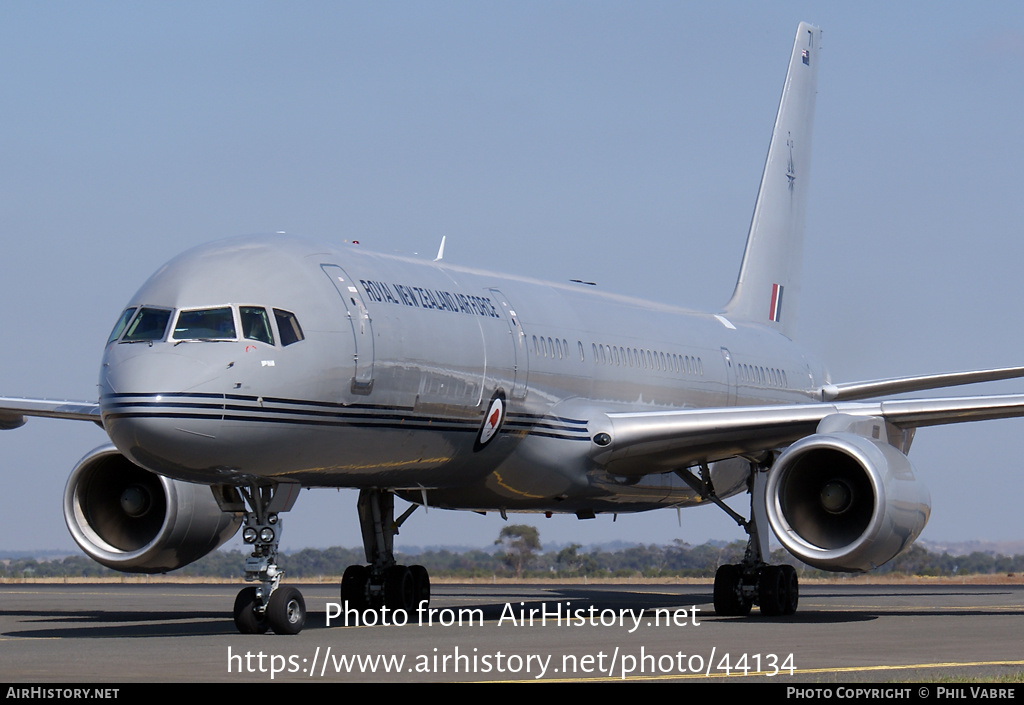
(399, 589)
(421, 584)
(729, 600)
(772, 592)
(286, 611)
(353, 587)
(792, 585)
(247, 619)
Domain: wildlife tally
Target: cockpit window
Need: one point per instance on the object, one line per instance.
(256, 324)
(288, 327)
(205, 324)
(119, 327)
(148, 324)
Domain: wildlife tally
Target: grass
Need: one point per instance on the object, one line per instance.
(1017, 677)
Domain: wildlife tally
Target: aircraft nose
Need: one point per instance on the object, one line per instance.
(157, 404)
(155, 371)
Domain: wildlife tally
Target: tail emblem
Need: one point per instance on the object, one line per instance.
(775, 314)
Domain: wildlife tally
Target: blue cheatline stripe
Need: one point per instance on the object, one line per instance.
(320, 413)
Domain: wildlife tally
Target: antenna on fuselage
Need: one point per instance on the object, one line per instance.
(440, 250)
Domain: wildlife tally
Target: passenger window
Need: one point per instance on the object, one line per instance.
(149, 324)
(255, 324)
(121, 324)
(205, 324)
(288, 327)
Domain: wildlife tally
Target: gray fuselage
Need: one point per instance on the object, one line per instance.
(396, 369)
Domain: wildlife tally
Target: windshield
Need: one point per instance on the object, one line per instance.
(256, 324)
(288, 326)
(148, 324)
(119, 327)
(205, 324)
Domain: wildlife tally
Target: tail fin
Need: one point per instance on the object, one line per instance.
(768, 286)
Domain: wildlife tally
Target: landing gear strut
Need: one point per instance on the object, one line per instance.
(268, 606)
(383, 583)
(738, 587)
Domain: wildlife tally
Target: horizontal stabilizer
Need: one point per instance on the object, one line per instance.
(850, 391)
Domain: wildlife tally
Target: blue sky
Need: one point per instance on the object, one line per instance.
(620, 143)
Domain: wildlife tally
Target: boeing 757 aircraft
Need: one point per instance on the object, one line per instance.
(247, 369)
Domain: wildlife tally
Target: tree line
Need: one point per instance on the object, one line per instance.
(515, 556)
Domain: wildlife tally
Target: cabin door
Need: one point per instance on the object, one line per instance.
(520, 368)
(362, 326)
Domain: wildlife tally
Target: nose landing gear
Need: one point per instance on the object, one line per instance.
(382, 584)
(269, 606)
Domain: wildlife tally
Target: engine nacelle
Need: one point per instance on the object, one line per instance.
(844, 502)
(135, 521)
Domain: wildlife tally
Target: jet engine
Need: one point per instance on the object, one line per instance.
(135, 521)
(844, 501)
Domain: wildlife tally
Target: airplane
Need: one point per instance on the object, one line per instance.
(247, 369)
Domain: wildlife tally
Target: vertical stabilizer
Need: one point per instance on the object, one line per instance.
(768, 288)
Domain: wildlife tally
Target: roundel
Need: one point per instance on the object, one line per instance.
(492, 420)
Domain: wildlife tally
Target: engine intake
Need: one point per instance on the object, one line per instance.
(844, 502)
(135, 521)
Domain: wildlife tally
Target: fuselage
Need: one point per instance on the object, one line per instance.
(280, 359)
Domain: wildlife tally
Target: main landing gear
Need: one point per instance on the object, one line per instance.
(738, 587)
(383, 583)
(773, 587)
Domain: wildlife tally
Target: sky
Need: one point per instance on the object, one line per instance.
(615, 142)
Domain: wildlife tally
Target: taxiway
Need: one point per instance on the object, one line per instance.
(842, 633)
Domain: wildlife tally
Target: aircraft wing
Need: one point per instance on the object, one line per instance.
(13, 410)
(640, 443)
